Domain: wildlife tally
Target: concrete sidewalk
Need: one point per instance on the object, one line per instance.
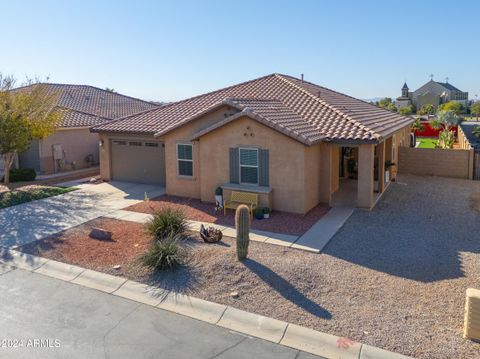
(31, 221)
(321, 232)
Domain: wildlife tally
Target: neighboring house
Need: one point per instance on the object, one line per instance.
(281, 137)
(73, 146)
(434, 93)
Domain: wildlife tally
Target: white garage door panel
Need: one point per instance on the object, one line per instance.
(138, 161)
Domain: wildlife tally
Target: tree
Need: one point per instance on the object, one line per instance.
(109, 89)
(475, 109)
(406, 111)
(445, 121)
(387, 103)
(417, 125)
(427, 109)
(451, 106)
(476, 131)
(25, 114)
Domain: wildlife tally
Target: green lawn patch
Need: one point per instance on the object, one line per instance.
(23, 195)
(427, 142)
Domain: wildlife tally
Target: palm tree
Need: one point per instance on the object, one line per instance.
(417, 125)
(476, 131)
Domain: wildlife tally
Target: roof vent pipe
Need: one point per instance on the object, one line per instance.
(301, 75)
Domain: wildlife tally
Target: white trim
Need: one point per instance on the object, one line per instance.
(185, 160)
(240, 166)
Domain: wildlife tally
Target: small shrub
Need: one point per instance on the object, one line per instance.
(165, 255)
(22, 175)
(167, 222)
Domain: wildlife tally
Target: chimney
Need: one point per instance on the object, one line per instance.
(301, 77)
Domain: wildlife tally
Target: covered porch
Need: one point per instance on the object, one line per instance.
(359, 173)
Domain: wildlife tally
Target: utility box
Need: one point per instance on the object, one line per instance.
(471, 328)
(57, 152)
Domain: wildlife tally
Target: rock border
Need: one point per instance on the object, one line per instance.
(273, 330)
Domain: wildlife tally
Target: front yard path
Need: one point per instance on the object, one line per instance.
(31, 221)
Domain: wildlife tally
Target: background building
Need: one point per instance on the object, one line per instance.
(434, 93)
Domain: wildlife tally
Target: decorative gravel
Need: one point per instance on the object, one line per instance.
(194, 209)
(394, 277)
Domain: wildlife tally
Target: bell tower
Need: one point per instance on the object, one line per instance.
(405, 90)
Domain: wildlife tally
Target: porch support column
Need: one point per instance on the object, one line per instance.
(325, 195)
(365, 176)
(381, 166)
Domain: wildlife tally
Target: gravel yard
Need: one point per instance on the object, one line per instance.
(394, 277)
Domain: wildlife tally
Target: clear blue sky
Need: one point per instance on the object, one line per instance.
(169, 50)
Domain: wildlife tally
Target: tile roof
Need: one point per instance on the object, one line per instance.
(467, 128)
(272, 113)
(90, 100)
(72, 118)
(326, 114)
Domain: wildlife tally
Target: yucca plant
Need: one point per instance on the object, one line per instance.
(167, 222)
(165, 255)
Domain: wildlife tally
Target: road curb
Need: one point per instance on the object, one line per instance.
(318, 343)
(290, 335)
(192, 307)
(253, 324)
(60, 270)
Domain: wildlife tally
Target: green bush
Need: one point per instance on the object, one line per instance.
(165, 255)
(167, 222)
(22, 175)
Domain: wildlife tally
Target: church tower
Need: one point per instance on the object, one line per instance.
(405, 90)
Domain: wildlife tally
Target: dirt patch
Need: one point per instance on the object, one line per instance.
(194, 209)
(74, 246)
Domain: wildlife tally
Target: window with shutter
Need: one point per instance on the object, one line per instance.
(248, 165)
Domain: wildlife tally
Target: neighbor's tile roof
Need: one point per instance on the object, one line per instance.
(95, 101)
(468, 127)
(72, 118)
(327, 114)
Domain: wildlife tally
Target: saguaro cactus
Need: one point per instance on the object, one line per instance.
(242, 225)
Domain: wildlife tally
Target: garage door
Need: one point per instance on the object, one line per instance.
(138, 161)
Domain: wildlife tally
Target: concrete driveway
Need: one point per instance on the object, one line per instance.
(85, 323)
(31, 221)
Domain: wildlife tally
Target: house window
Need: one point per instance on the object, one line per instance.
(120, 143)
(135, 143)
(185, 159)
(249, 165)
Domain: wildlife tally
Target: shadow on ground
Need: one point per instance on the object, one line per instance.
(417, 231)
(285, 289)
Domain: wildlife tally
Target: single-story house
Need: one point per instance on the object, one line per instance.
(282, 137)
(73, 146)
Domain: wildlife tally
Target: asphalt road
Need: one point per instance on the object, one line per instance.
(41, 317)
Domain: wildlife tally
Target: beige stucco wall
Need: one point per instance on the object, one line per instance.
(190, 187)
(77, 144)
(286, 163)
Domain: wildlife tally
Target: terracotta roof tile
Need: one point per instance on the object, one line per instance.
(326, 114)
(88, 100)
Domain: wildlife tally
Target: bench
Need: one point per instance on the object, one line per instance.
(238, 198)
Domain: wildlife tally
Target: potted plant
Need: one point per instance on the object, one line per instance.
(388, 164)
(219, 197)
(266, 212)
(258, 213)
